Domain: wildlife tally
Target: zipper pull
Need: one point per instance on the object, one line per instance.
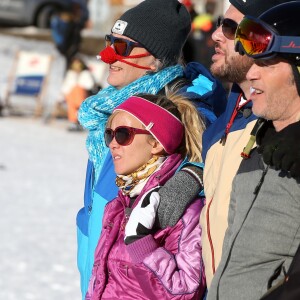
(224, 137)
(246, 151)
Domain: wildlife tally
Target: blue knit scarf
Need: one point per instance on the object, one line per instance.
(95, 110)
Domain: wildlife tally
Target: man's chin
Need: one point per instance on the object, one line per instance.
(217, 71)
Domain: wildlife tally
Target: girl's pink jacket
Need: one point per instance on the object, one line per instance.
(166, 265)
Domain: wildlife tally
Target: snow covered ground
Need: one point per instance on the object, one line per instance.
(42, 172)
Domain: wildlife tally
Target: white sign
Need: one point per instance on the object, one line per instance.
(32, 68)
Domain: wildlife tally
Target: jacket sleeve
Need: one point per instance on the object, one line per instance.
(179, 274)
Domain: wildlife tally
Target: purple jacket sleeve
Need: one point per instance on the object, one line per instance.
(167, 274)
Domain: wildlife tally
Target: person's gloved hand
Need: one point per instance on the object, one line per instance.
(177, 193)
(283, 151)
(142, 218)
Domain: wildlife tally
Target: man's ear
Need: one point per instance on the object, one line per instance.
(157, 147)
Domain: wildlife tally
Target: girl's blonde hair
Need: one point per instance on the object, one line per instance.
(194, 127)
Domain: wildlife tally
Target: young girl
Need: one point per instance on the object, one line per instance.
(149, 136)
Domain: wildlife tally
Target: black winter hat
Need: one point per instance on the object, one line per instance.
(161, 26)
(255, 8)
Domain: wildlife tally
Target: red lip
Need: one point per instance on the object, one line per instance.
(218, 50)
(217, 56)
(254, 94)
(113, 66)
(114, 154)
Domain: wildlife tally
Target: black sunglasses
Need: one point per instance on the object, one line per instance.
(229, 27)
(122, 47)
(124, 135)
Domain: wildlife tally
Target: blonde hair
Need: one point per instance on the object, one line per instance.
(193, 127)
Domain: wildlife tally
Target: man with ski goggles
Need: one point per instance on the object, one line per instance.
(260, 259)
(262, 42)
(228, 140)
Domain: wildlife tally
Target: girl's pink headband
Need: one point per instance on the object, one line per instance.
(164, 126)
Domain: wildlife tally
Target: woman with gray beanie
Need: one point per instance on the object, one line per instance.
(143, 53)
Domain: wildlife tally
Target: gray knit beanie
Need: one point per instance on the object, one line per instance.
(161, 26)
(255, 8)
